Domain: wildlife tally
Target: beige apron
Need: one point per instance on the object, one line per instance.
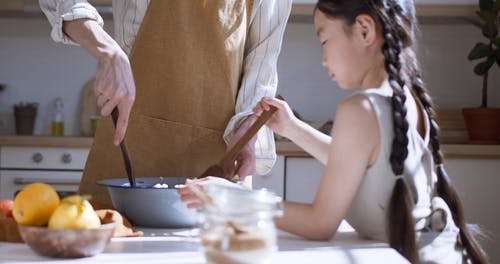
(187, 61)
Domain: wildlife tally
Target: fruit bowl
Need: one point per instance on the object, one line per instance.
(67, 243)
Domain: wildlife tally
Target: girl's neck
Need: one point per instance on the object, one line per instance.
(375, 76)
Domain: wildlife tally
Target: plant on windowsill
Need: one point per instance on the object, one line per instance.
(483, 123)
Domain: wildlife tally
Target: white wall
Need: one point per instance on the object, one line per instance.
(443, 53)
(36, 69)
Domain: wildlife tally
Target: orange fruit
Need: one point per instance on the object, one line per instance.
(34, 204)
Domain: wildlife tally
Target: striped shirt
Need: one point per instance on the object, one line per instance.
(264, 38)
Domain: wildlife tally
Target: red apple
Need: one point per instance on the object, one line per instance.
(6, 208)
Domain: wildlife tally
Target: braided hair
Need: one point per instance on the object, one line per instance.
(398, 27)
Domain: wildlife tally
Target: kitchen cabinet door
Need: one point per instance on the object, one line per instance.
(477, 182)
(302, 179)
(274, 180)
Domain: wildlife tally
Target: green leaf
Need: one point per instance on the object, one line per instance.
(496, 8)
(486, 4)
(481, 50)
(490, 31)
(483, 67)
(487, 15)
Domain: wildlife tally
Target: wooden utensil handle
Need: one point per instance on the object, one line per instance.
(124, 150)
(249, 134)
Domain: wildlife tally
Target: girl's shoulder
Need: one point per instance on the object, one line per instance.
(358, 109)
(375, 104)
(366, 100)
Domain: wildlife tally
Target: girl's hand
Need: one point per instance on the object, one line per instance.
(190, 199)
(283, 119)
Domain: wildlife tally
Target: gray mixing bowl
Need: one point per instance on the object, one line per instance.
(146, 206)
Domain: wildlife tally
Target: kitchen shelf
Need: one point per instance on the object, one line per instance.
(427, 14)
(301, 13)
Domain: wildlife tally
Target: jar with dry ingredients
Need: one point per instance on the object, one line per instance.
(241, 229)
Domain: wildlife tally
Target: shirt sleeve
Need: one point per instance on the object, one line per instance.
(259, 77)
(58, 11)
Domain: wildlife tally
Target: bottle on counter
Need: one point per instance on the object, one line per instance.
(58, 120)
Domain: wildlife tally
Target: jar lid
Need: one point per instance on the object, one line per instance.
(240, 201)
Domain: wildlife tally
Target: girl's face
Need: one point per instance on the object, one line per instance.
(349, 52)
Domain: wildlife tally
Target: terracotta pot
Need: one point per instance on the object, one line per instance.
(483, 125)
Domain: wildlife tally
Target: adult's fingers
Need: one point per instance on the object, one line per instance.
(101, 100)
(122, 124)
(112, 102)
(245, 170)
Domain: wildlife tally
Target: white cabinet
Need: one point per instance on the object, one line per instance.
(293, 178)
(61, 167)
(302, 179)
(274, 180)
(477, 182)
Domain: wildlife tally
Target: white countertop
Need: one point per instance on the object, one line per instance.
(183, 246)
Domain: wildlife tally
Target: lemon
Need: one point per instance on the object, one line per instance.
(74, 212)
(34, 204)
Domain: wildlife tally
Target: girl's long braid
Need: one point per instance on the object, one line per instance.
(401, 229)
(444, 188)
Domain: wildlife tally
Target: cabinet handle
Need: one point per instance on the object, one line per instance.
(37, 157)
(20, 181)
(66, 158)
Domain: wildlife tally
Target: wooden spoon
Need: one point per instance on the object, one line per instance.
(228, 159)
(125, 153)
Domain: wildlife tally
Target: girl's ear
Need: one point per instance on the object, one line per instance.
(366, 29)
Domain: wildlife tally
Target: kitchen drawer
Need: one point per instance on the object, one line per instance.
(43, 158)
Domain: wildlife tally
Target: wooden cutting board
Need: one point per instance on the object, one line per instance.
(89, 108)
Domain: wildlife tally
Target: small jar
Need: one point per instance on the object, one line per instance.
(240, 228)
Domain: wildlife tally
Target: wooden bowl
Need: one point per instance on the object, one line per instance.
(67, 243)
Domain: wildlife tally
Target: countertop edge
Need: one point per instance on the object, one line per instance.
(285, 148)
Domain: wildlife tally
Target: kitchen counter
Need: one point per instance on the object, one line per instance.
(285, 148)
(183, 246)
(46, 141)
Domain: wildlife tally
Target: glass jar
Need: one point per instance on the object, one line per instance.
(239, 228)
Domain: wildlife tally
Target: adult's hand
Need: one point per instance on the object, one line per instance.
(114, 86)
(245, 160)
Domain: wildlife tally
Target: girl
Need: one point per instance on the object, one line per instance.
(384, 171)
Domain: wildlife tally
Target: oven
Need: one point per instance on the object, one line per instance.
(59, 167)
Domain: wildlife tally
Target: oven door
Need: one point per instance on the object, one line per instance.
(64, 182)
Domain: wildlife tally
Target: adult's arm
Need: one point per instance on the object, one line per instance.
(78, 22)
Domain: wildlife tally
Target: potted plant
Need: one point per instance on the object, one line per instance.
(483, 123)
